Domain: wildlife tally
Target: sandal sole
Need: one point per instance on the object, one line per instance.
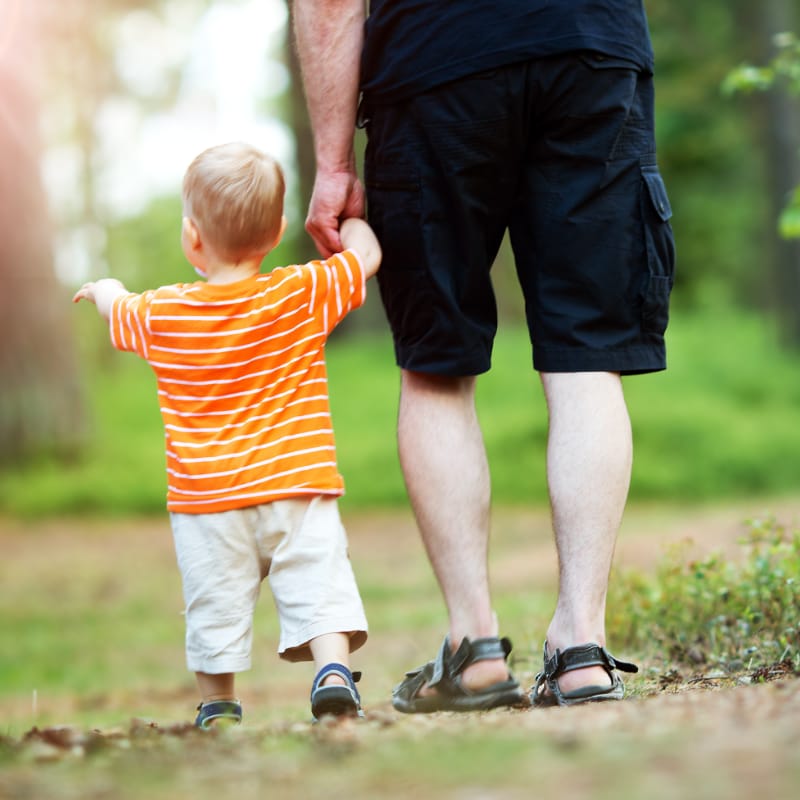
(513, 697)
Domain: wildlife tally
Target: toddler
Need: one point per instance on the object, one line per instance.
(251, 466)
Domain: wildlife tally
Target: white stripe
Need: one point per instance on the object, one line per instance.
(259, 311)
(313, 293)
(266, 445)
(162, 380)
(112, 326)
(142, 337)
(271, 355)
(182, 296)
(266, 493)
(128, 323)
(259, 389)
(249, 420)
(363, 281)
(237, 409)
(208, 475)
(336, 288)
(259, 432)
(208, 318)
(228, 335)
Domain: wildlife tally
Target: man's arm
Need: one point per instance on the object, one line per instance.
(329, 36)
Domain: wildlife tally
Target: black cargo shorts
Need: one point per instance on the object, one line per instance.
(561, 153)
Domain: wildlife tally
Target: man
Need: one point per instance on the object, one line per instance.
(537, 118)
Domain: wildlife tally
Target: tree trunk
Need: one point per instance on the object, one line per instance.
(782, 140)
(39, 397)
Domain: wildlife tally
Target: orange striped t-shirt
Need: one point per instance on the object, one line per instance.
(242, 382)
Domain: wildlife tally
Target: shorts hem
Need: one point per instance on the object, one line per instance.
(218, 666)
(298, 649)
(450, 367)
(628, 362)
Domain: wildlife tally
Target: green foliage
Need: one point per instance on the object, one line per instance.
(720, 422)
(144, 252)
(789, 220)
(733, 613)
(709, 152)
(782, 72)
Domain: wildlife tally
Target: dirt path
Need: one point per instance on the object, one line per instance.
(705, 739)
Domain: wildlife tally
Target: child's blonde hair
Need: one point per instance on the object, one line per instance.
(234, 193)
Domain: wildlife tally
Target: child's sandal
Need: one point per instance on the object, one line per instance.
(335, 699)
(228, 711)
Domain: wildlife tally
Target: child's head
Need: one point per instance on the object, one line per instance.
(234, 195)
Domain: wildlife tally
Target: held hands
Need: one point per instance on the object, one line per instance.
(336, 197)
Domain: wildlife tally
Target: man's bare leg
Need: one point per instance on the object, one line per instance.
(589, 457)
(444, 463)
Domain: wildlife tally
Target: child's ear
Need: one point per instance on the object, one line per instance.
(284, 224)
(191, 233)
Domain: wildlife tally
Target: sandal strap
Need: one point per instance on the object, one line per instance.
(448, 665)
(581, 656)
(218, 709)
(350, 678)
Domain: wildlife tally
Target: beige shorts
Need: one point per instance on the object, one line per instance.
(300, 545)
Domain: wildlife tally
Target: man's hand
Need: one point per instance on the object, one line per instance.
(336, 197)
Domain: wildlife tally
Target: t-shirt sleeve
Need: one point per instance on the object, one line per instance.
(337, 287)
(128, 323)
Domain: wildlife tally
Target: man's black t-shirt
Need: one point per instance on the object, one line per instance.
(414, 45)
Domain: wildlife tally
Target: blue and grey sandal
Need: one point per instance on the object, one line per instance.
(335, 699)
(225, 711)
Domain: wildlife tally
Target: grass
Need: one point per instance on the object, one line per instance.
(721, 422)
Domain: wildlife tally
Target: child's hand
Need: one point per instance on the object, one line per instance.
(102, 293)
(86, 292)
(357, 234)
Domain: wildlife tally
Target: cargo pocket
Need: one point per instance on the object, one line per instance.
(660, 246)
(393, 211)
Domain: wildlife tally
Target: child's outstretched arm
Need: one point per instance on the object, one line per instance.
(102, 293)
(357, 235)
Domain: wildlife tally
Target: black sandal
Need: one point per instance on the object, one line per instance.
(578, 657)
(443, 675)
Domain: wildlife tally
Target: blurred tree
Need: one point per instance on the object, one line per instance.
(781, 73)
(40, 410)
(782, 141)
(82, 77)
(40, 401)
(728, 168)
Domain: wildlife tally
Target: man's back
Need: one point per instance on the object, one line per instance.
(414, 45)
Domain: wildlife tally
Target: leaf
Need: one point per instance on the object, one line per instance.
(789, 221)
(747, 79)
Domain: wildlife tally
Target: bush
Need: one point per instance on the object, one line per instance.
(730, 614)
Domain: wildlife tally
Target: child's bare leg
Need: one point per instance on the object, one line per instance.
(215, 687)
(331, 648)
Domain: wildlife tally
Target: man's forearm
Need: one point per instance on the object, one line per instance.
(329, 36)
